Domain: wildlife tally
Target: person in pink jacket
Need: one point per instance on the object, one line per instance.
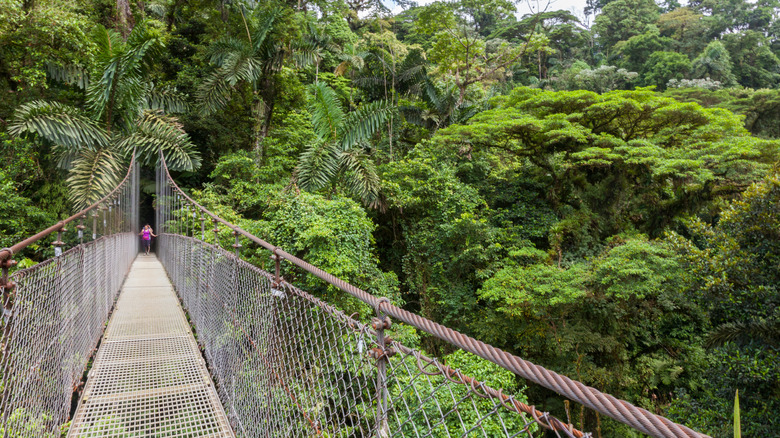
(147, 233)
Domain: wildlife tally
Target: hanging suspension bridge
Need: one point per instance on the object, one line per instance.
(269, 359)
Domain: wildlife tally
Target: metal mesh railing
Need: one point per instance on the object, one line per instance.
(54, 312)
(289, 364)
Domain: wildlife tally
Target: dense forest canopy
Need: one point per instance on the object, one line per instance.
(597, 194)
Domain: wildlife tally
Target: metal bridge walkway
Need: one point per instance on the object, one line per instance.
(149, 379)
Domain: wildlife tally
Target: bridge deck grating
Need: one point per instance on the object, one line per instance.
(149, 379)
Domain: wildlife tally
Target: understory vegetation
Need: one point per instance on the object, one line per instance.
(596, 192)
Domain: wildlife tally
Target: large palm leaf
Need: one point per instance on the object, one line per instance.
(318, 165)
(364, 122)
(58, 123)
(156, 132)
(94, 174)
(360, 174)
(327, 116)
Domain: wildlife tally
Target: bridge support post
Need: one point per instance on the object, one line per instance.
(81, 227)
(237, 245)
(58, 243)
(216, 232)
(381, 353)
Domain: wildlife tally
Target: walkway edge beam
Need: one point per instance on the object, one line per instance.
(617, 409)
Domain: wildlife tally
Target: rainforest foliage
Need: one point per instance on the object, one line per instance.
(596, 193)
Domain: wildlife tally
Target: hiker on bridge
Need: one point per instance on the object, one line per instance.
(147, 234)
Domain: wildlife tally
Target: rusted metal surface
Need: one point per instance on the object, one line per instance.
(620, 410)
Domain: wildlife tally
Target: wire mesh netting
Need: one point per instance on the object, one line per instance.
(54, 315)
(287, 364)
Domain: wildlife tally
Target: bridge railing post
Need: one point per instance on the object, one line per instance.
(381, 353)
(80, 227)
(237, 245)
(58, 243)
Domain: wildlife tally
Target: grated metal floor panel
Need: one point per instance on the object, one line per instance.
(149, 379)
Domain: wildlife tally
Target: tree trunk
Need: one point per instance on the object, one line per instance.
(124, 18)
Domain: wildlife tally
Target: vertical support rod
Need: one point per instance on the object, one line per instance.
(216, 232)
(237, 245)
(80, 227)
(8, 287)
(94, 224)
(202, 227)
(58, 243)
(381, 353)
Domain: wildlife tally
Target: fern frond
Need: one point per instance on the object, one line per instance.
(57, 123)
(327, 116)
(156, 132)
(94, 174)
(318, 165)
(359, 125)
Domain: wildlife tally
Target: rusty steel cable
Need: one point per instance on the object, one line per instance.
(620, 410)
(54, 312)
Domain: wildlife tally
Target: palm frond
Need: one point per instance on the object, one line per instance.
(327, 116)
(364, 122)
(165, 99)
(99, 91)
(143, 46)
(60, 124)
(264, 25)
(241, 66)
(213, 93)
(318, 165)
(361, 176)
(220, 49)
(156, 132)
(413, 115)
(306, 53)
(109, 44)
(157, 9)
(94, 174)
(764, 331)
(69, 74)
